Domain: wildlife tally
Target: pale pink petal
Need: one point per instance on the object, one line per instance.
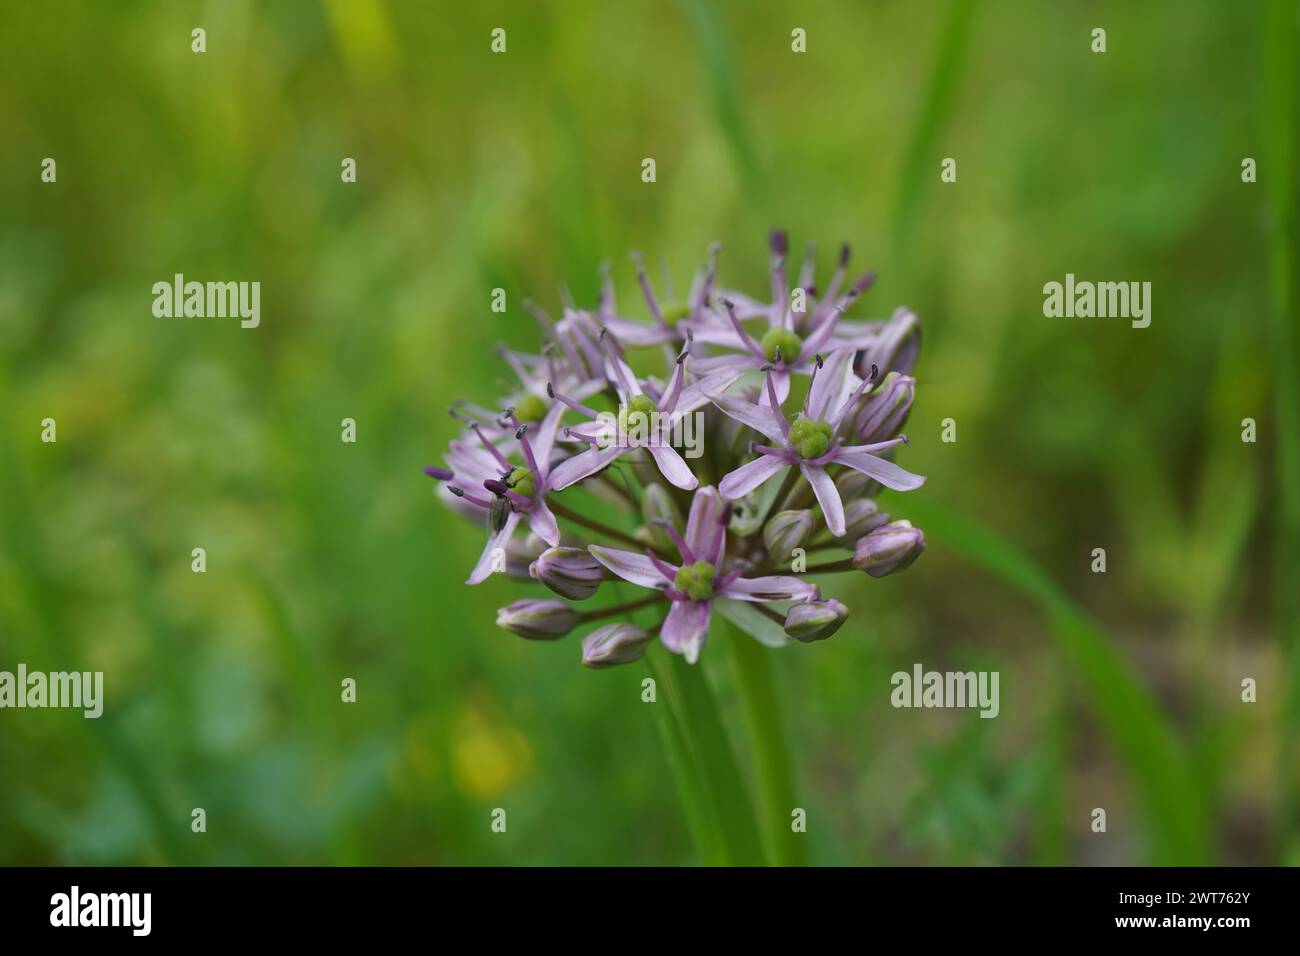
(781, 381)
(697, 395)
(751, 475)
(885, 472)
(703, 522)
(543, 441)
(582, 465)
(772, 588)
(758, 417)
(488, 559)
(621, 375)
(719, 332)
(637, 333)
(855, 335)
(671, 393)
(830, 386)
(584, 390)
(731, 360)
(746, 306)
(543, 523)
(685, 628)
(630, 566)
(471, 463)
(828, 496)
(673, 467)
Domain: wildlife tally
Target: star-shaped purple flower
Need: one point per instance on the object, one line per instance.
(701, 578)
(642, 422)
(793, 339)
(810, 442)
(513, 492)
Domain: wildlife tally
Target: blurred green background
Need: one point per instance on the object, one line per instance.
(328, 560)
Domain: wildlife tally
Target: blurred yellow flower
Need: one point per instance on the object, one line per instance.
(488, 759)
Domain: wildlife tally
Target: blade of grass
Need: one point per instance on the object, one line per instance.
(711, 36)
(918, 169)
(1139, 730)
(1280, 130)
(1051, 841)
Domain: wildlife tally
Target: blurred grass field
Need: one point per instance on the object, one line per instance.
(522, 171)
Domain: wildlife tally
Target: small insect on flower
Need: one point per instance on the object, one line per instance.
(498, 512)
(733, 361)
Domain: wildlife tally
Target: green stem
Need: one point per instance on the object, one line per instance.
(792, 476)
(718, 807)
(623, 492)
(773, 768)
(701, 815)
(592, 524)
(625, 608)
(831, 567)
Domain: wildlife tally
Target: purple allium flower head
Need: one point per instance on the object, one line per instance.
(728, 363)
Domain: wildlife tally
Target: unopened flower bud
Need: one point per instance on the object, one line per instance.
(520, 552)
(862, 516)
(614, 644)
(786, 531)
(538, 620)
(889, 548)
(885, 409)
(854, 484)
(896, 346)
(815, 620)
(569, 572)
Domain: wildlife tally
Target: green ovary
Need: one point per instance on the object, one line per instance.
(674, 312)
(810, 438)
(629, 416)
(530, 408)
(696, 580)
(521, 482)
(789, 344)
